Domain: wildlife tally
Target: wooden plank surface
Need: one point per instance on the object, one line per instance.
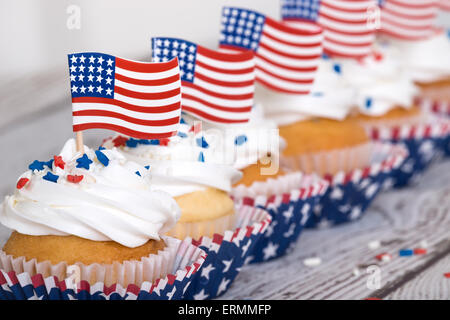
(37, 128)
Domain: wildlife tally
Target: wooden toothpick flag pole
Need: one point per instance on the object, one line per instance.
(138, 99)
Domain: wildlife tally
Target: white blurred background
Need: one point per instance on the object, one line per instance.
(35, 110)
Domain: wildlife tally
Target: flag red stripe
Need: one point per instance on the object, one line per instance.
(346, 21)
(230, 84)
(136, 66)
(308, 81)
(215, 106)
(110, 114)
(276, 88)
(283, 66)
(406, 26)
(157, 82)
(426, 5)
(348, 44)
(210, 117)
(131, 107)
(344, 9)
(244, 56)
(123, 130)
(409, 16)
(147, 96)
(281, 26)
(403, 36)
(337, 54)
(226, 71)
(218, 95)
(305, 45)
(350, 33)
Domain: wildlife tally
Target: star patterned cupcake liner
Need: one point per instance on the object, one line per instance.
(350, 194)
(177, 264)
(290, 200)
(425, 142)
(227, 253)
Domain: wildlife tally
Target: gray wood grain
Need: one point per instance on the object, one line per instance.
(37, 128)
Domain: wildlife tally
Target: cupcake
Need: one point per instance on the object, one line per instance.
(95, 210)
(192, 171)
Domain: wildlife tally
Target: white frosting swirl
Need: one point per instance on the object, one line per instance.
(331, 97)
(380, 82)
(427, 60)
(111, 203)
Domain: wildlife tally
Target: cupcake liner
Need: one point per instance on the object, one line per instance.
(163, 276)
(324, 162)
(425, 142)
(349, 194)
(227, 253)
(438, 108)
(208, 228)
(289, 199)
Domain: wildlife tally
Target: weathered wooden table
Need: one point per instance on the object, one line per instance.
(35, 122)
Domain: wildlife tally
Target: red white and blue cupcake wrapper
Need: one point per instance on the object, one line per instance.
(227, 253)
(184, 261)
(440, 109)
(425, 141)
(289, 210)
(350, 194)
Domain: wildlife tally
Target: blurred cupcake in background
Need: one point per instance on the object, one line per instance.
(408, 30)
(96, 211)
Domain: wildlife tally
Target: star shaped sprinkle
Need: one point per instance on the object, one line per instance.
(51, 177)
(102, 158)
(337, 68)
(201, 142)
(36, 165)
(147, 167)
(84, 162)
(138, 173)
(119, 141)
(164, 142)
(21, 183)
(201, 157)
(58, 161)
(132, 143)
(49, 164)
(182, 134)
(74, 178)
(368, 103)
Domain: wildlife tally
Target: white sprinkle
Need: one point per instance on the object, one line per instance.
(356, 272)
(386, 258)
(312, 262)
(424, 244)
(373, 245)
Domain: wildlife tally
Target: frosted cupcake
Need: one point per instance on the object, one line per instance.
(95, 210)
(190, 169)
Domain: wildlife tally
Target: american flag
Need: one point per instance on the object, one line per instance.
(138, 99)
(408, 19)
(217, 87)
(286, 57)
(444, 5)
(349, 28)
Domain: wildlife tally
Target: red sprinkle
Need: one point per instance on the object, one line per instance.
(420, 251)
(378, 56)
(447, 275)
(119, 141)
(164, 141)
(22, 182)
(74, 178)
(59, 162)
(196, 128)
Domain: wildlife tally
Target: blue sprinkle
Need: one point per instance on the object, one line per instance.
(84, 162)
(201, 142)
(368, 103)
(182, 134)
(325, 56)
(406, 253)
(337, 68)
(51, 177)
(317, 94)
(448, 33)
(147, 167)
(49, 164)
(182, 121)
(101, 148)
(154, 142)
(240, 140)
(144, 141)
(201, 157)
(132, 143)
(138, 173)
(102, 158)
(36, 165)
